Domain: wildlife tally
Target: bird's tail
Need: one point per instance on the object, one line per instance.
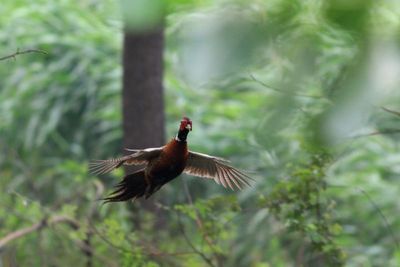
(132, 186)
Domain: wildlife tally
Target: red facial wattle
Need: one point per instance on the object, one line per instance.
(186, 123)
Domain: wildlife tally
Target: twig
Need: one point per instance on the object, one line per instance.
(89, 250)
(92, 212)
(386, 131)
(197, 251)
(394, 112)
(390, 230)
(200, 224)
(18, 52)
(157, 253)
(84, 248)
(107, 241)
(152, 251)
(287, 92)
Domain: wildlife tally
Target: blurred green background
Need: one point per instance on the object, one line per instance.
(303, 93)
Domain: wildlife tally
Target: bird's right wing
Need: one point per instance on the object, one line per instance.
(218, 169)
(139, 157)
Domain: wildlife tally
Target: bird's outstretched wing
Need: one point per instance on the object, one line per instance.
(139, 157)
(207, 166)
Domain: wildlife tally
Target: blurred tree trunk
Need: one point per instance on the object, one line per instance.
(143, 102)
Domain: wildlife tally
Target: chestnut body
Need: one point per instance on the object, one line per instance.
(168, 165)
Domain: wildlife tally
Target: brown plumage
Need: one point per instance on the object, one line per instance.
(163, 164)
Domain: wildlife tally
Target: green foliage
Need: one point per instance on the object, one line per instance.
(302, 203)
(268, 84)
(213, 217)
(40, 101)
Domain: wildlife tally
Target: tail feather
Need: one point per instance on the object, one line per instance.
(132, 186)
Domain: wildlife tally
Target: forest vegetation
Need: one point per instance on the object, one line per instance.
(302, 94)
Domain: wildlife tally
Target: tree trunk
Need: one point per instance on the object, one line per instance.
(143, 102)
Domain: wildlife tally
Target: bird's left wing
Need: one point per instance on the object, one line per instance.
(207, 166)
(139, 157)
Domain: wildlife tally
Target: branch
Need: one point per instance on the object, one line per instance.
(394, 112)
(287, 92)
(200, 224)
(92, 212)
(198, 252)
(90, 250)
(18, 52)
(103, 258)
(198, 220)
(107, 241)
(386, 222)
(38, 226)
(149, 249)
(48, 223)
(386, 131)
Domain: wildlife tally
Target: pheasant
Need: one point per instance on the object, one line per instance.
(163, 164)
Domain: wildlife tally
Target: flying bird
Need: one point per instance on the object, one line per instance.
(163, 164)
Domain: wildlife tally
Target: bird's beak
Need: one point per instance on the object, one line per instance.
(188, 126)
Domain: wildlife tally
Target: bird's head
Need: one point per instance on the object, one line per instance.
(186, 123)
(184, 128)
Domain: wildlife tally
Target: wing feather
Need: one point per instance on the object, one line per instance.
(227, 179)
(139, 157)
(241, 176)
(221, 178)
(218, 169)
